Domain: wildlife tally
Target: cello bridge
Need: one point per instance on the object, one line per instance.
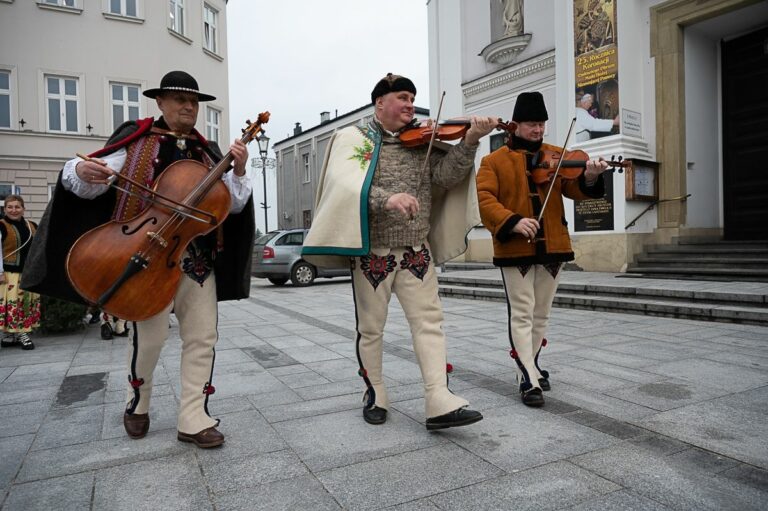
(156, 237)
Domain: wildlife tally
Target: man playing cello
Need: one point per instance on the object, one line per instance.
(214, 268)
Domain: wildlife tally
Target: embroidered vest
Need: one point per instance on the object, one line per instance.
(13, 258)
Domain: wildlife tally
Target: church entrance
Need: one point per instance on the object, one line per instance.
(745, 136)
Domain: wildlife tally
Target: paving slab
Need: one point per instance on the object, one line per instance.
(338, 439)
(137, 485)
(403, 477)
(295, 494)
(68, 493)
(734, 425)
(241, 473)
(553, 486)
(666, 480)
(498, 439)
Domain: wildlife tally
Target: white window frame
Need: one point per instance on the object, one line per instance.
(71, 6)
(210, 29)
(62, 97)
(212, 129)
(9, 92)
(176, 16)
(125, 102)
(15, 190)
(307, 174)
(123, 13)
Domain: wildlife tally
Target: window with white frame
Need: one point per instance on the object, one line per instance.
(60, 3)
(210, 28)
(128, 8)
(7, 189)
(5, 98)
(305, 159)
(61, 93)
(125, 102)
(176, 11)
(212, 124)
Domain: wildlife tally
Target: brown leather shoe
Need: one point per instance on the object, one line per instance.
(136, 424)
(206, 439)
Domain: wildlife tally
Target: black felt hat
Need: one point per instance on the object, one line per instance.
(529, 107)
(392, 83)
(178, 81)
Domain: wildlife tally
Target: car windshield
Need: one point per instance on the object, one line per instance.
(262, 240)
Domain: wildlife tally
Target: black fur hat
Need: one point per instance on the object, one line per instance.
(529, 107)
(392, 83)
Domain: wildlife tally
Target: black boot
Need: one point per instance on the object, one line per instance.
(532, 397)
(106, 331)
(375, 415)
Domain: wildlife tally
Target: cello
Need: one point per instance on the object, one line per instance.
(131, 268)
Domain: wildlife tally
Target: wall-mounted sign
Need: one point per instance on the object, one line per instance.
(595, 214)
(597, 69)
(631, 123)
(642, 181)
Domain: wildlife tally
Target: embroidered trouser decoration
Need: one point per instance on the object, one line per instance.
(421, 304)
(196, 310)
(530, 292)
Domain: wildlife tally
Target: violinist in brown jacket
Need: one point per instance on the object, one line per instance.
(530, 254)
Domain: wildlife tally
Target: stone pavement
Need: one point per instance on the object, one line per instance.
(645, 413)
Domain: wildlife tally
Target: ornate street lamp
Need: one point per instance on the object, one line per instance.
(263, 141)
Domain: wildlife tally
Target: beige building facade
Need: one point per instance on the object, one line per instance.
(73, 70)
(681, 79)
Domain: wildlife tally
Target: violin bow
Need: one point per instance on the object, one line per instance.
(435, 128)
(557, 170)
(170, 203)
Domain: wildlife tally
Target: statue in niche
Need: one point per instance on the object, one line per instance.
(513, 17)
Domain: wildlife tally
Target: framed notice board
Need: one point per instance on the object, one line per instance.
(642, 180)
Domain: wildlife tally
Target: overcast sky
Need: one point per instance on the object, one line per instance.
(297, 58)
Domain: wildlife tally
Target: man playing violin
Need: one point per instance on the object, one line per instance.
(391, 214)
(215, 266)
(530, 253)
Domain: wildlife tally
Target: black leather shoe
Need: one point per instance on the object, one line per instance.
(460, 417)
(544, 384)
(106, 332)
(533, 397)
(375, 415)
(136, 424)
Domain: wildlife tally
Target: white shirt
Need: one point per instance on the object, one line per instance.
(585, 123)
(239, 186)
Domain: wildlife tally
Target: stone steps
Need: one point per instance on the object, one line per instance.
(741, 307)
(704, 260)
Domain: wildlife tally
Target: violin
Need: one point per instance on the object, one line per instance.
(131, 268)
(573, 164)
(452, 129)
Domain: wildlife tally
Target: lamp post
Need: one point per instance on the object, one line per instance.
(263, 147)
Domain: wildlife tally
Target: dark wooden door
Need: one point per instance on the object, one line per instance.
(745, 136)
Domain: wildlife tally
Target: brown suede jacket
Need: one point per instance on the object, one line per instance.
(503, 194)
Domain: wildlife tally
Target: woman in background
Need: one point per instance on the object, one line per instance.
(19, 309)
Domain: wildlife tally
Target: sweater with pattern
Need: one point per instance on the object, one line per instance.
(401, 170)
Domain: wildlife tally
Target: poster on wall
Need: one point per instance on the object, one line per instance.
(597, 69)
(595, 214)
